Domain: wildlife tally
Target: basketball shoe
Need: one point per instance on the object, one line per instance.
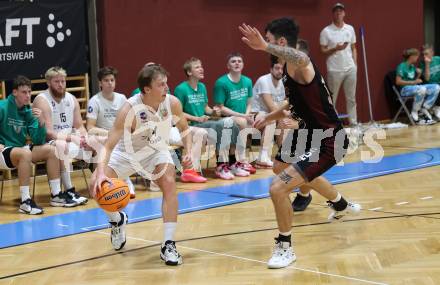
(117, 237)
(352, 208)
(79, 200)
(282, 255)
(169, 254)
(30, 207)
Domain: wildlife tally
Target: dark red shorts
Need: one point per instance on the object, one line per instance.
(310, 155)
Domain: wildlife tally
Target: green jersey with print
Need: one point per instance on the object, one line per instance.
(434, 69)
(406, 71)
(231, 94)
(193, 101)
(18, 124)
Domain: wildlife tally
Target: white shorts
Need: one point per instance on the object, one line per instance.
(125, 164)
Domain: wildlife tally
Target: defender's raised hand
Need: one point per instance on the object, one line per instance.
(252, 37)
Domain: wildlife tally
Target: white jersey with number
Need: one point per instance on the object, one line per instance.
(62, 112)
(103, 110)
(152, 128)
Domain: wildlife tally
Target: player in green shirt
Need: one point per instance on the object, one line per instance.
(233, 95)
(425, 95)
(19, 123)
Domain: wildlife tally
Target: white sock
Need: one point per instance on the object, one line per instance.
(168, 231)
(286, 233)
(24, 191)
(304, 195)
(55, 186)
(130, 185)
(264, 155)
(114, 216)
(65, 178)
(338, 198)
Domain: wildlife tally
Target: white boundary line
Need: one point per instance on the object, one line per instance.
(258, 261)
(426, 198)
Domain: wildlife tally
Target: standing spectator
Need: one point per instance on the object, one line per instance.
(338, 43)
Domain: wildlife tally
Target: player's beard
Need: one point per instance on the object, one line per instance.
(57, 94)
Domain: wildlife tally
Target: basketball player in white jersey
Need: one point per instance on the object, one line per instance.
(61, 114)
(138, 142)
(103, 107)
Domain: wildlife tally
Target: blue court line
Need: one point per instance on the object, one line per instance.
(49, 227)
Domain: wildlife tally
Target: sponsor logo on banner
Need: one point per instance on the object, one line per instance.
(36, 36)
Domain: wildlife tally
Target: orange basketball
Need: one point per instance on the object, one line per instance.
(113, 197)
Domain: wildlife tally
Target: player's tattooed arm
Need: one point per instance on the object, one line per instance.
(289, 54)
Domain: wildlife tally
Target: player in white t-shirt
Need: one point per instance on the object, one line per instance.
(62, 117)
(139, 142)
(268, 95)
(338, 43)
(103, 107)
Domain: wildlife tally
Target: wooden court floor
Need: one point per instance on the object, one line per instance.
(395, 239)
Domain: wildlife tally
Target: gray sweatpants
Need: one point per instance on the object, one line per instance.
(348, 81)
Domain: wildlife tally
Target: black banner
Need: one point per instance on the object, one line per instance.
(39, 34)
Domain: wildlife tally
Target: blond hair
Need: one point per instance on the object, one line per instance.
(187, 66)
(54, 71)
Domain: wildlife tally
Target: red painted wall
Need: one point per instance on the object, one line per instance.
(170, 31)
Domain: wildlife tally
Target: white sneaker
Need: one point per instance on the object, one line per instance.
(117, 237)
(415, 116)
(236, 170)
(352, 208)
(30, 207)
(169, 254)
(223, 172)
(282, 255)
(79, 200)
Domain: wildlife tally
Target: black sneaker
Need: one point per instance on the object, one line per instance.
(80, 200)
(30, 207)
(62, 199)
(300, 203)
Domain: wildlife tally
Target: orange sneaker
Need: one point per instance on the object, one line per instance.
(190, 175)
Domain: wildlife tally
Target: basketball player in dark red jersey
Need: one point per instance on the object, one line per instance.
(308, 152)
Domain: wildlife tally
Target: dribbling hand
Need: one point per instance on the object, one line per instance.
(98, 177)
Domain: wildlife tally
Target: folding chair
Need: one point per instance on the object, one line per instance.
(391, 77)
